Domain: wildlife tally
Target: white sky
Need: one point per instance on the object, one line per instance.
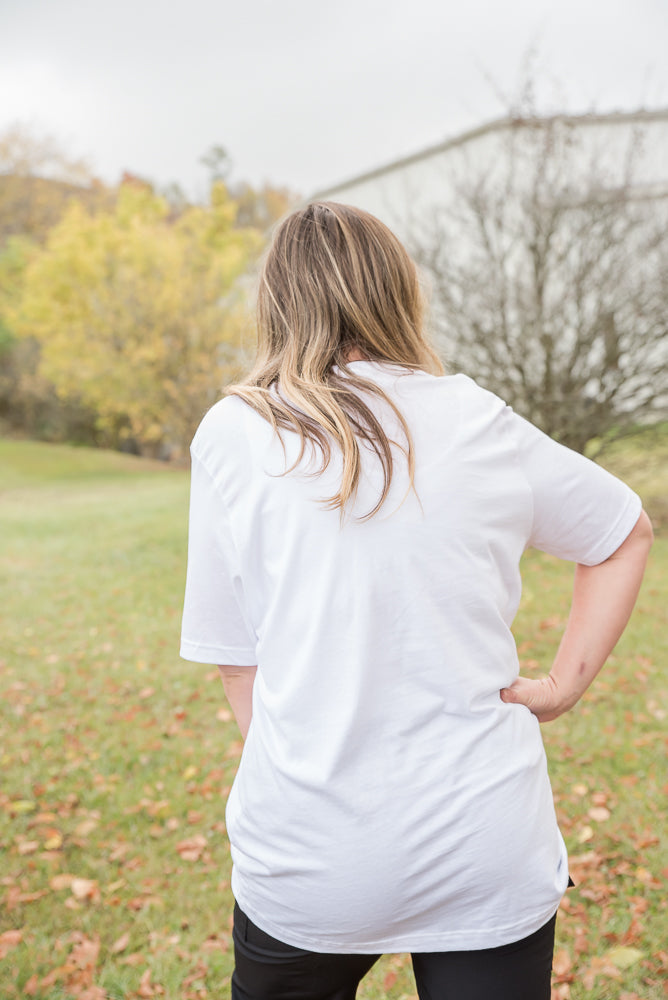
(304, 93)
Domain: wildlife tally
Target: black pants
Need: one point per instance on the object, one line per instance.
(267, 969)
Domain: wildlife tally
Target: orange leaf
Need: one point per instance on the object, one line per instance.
(141, 902)
(191, 848)
(599, 814)
(145, 988)
(85, 953)
(59, 882)
(562, 963)
(30, 897)
(31, 987)
(85, 827)
(390, 980)
(9, 940)
(84, 888)
(121, 944)
(28, 846)
(55, 974)
(136, 958)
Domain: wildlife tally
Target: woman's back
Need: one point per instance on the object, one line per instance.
(387, 799)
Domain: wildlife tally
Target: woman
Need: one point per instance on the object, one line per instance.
(357, 521)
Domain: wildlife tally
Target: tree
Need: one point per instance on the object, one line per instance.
(37, 181)
(218, 163)
(549, 272)
(141, 316)
(262, 207)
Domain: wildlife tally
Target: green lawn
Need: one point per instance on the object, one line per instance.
(117, 756)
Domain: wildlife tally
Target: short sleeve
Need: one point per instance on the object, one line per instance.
(215, 626)
(581, 512)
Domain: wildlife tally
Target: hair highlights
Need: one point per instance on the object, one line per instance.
(336, 282)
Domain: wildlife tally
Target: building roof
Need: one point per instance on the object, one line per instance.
(641, 116)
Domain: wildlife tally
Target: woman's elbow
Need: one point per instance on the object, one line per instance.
(639, 540)
(644, 531)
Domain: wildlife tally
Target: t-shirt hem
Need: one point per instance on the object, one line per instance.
(460, 940)
(227, 655)
(620, 531)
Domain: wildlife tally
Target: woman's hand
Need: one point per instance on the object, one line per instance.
(603, 599)
(541, 695)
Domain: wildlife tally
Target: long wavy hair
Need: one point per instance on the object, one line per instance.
(335, 283)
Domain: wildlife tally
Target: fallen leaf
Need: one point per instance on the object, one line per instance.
(624, 958)
(136, 958)
(31, 987)
(141, 902)
(562, 963)
(645, 876)
(585, 834)
(55, 974)
(21, 806)
(42, 817)
(84, 888)
(119, 851)
(191, 848)
(85, 953)
(121, 944)
(145, 988)
(28, 846)
(390, 980)
(86, 827)
(554, 621)
(9, 940)
(599, 966)
(59, 882)
(647, 839)
(599, 814)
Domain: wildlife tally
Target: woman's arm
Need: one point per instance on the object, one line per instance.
(603, 599)
(238, 685)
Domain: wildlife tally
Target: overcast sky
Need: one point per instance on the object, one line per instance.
(304, 93)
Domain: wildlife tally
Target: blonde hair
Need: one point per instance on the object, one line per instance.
(335, 282)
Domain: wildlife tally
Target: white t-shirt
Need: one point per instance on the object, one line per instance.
(387, 799)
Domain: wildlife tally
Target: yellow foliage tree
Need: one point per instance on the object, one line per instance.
(37, 181)
(139, 315)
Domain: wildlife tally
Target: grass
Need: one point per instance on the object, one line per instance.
(117, 757)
